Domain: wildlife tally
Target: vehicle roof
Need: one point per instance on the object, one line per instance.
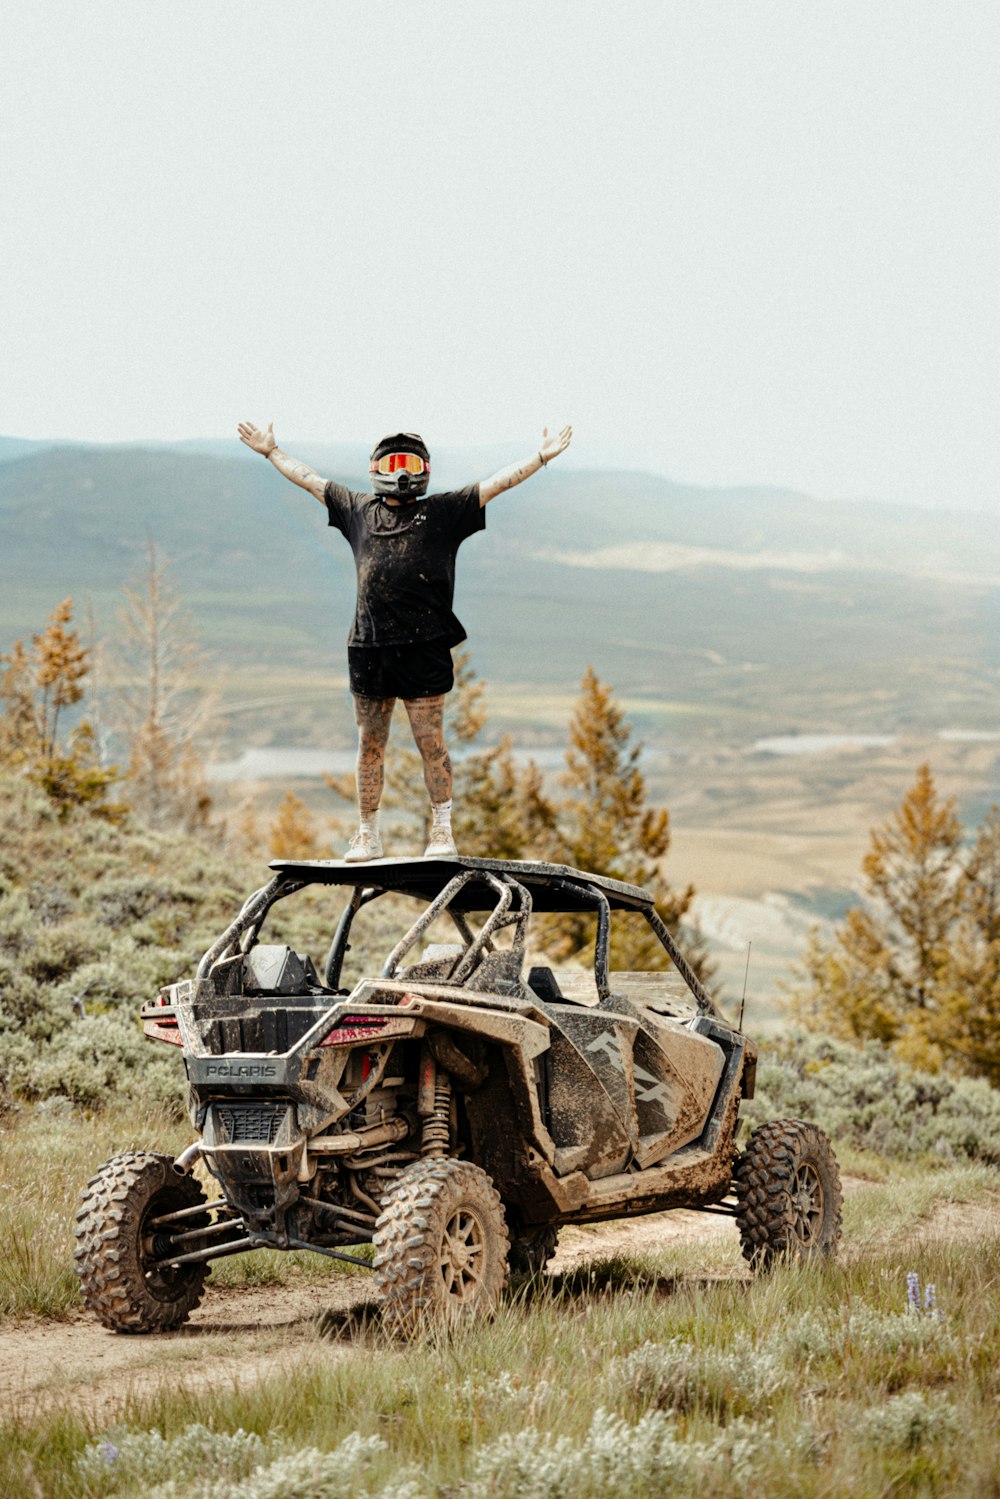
(553, 887)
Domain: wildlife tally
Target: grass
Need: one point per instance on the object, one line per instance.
(813, 1381)
(46, 1157)
(669, 1368)
(908, 1196)
(47, 1154)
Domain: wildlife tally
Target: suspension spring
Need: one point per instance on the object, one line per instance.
(436, 1137)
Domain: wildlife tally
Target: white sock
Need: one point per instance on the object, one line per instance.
(442, 816)
(369, 822)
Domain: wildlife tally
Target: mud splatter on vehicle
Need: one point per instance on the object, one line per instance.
(454, 1110)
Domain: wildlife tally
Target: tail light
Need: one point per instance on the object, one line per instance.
(165, 1029)
(352, 1028)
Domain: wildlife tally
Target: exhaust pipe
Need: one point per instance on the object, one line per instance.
(187, 1158)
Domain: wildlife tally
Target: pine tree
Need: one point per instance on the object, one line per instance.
(889, 969)
(36, 687)
(163, 708)
(606, 827)
(502, 810)
(911, 869)
(968, 1022)
(60, 668)
(20, 735)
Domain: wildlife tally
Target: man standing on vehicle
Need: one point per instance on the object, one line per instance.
(404, 543)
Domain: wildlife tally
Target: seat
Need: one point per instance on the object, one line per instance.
(437, 961)
(543, 982)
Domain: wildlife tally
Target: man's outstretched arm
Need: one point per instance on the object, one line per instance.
(507, 477)
(265, 444)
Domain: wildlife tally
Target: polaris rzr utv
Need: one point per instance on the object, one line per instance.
(455, 1110)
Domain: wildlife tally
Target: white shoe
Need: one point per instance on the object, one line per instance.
(441, 846)
(363, 846)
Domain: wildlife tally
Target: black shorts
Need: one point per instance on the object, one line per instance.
(423, 669)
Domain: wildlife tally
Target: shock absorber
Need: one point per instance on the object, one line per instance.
(435, 1138)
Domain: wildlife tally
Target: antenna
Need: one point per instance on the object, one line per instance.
(746, 975)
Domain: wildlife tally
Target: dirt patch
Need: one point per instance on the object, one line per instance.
(632, 1235)
(41, 1363)
(958, 1222)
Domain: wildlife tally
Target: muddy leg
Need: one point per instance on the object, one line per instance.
(373, 716)
(426, 715)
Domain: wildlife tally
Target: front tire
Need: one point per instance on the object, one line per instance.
(441, 1246)
(788, 1194)
(115, 1247)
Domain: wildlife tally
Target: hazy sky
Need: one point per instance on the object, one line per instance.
(742, 241)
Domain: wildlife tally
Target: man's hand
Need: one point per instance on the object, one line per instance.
(261, 442)
(552, 446)
(507, 478)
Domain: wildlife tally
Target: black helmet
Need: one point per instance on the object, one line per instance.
(401, 480)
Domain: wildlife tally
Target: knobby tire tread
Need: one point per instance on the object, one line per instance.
(107, 1253)
(408, 1236)
(763, 1177)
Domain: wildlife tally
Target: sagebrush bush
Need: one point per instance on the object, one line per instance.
(93, 919)
(92, 1060)
(863, 1097)
(614, 1457)
(203, 1464)
(909, 1421)
(678, 1376)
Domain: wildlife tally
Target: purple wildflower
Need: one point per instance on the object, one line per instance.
(912, 1291)
(930, 1300)
(109, 1452)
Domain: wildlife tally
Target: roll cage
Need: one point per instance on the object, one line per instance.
(504, 891)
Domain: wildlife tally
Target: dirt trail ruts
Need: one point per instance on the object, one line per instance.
(239, 1334)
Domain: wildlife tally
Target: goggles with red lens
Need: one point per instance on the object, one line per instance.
(394, 463)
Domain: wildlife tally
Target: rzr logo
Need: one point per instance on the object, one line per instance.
(652, 1091)
(607, 1043)
(232, 1070)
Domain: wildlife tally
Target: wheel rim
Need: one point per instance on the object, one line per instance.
(463, 1251)
(807, 1202)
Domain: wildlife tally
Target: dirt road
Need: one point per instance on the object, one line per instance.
(42, 1363)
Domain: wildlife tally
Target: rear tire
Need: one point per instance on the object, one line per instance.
(788, 1194)
(531, 1251)
(441, 1246)
(114, 1248)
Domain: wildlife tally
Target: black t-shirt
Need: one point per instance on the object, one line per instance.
(405, 560)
